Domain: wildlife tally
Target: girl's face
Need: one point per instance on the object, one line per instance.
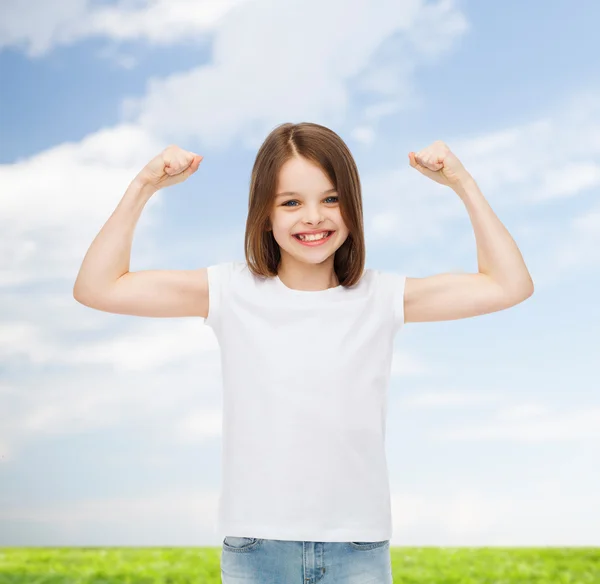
(313, 206)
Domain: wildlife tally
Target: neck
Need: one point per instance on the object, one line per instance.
(308, 277)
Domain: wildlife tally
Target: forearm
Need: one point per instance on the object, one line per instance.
(109, 255)
(497, 253)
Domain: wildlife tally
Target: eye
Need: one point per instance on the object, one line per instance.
(294, 201)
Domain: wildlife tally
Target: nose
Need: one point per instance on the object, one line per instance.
(313, 214)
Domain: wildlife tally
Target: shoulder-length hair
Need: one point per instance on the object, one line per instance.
(326, 149)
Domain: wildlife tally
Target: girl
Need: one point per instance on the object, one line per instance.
(306, 336)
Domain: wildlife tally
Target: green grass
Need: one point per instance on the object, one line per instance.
(201, 565)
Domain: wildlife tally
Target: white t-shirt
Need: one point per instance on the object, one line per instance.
(305, 381)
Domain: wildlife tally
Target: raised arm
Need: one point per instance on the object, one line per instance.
(503, 279)
(104, 281)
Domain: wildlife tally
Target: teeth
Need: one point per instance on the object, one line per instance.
(313, 237)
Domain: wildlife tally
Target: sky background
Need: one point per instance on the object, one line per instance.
(110, 425)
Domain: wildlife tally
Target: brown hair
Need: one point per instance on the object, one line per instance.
(327, 150)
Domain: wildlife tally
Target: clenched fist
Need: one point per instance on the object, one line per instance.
(438, 163)
(173, 165)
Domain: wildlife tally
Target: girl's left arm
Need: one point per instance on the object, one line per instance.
(503, 279)
(497, 253)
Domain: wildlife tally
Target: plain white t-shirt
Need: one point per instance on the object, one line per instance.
(305, 380)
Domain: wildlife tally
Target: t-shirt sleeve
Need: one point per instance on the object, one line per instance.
(219, 281)
(393, 287)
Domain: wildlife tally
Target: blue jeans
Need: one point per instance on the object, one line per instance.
(250, 560)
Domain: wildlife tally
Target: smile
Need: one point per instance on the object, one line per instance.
(314, 242)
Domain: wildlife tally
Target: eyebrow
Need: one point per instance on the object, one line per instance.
(298, 194)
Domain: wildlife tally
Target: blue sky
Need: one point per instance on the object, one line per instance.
(110, 424)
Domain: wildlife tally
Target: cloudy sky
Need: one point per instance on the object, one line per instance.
(110, 424)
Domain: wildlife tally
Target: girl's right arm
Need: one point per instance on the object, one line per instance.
(104, 281)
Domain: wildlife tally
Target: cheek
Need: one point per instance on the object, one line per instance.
(281, 229)
(283, 222)
(343, 229)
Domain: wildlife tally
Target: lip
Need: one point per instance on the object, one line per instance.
(312, 232)
(318, 241)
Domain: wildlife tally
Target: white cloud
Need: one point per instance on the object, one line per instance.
(568, 180)
(431, 398)
(526, 170)
(470, 516)
(171, 518)
(108, 392)
(39, 26)
(407, 364)
(363, 134)
(464, 516)
(577, 247)
(529, 423)
(464, 513)
(54, 201)
(529, 165)
(151, 343)
(149, 346)
(262, 73)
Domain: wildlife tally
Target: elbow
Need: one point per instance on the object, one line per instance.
(77, 292)
(530, 291)
(524, 293)
(78, 296)
(518, 293)
(529, 288)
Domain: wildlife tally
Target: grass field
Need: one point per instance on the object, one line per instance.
(201, 565)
